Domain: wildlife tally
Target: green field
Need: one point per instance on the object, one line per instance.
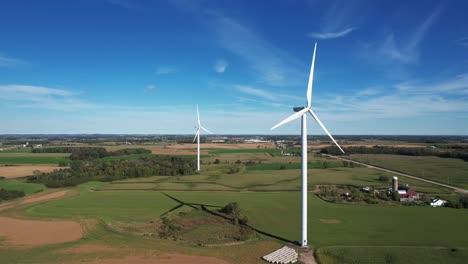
(279, 214)
(19, 185)
(270, 198)
(449, 171)
(33, 158)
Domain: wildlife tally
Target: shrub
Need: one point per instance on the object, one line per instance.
(384, 178)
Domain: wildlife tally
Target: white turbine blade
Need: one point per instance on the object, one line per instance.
(205, 129)
(198, 116)
(311, 78)
(292, 117)
(196, 134)
(324, 128)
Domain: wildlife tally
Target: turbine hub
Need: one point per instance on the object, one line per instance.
(298, 108)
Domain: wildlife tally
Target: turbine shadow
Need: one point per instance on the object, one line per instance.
(214, 213)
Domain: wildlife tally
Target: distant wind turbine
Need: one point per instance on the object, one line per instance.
(302, 112)
(197, 137)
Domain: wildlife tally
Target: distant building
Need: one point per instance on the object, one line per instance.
(366, 189)
(254, 140)
(218, 141)
(407, 194)
(437, 202)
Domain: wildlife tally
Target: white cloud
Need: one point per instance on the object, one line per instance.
(265, 94)
(165, 70)
(150, 88)
(272, 65)
(408, 53)
(6, 61)
(27, 96)
(220, 66)
(332, 35)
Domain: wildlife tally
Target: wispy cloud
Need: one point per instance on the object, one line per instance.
(336, 20)
(332, 35)
(6, 61)
(404, 100)
(161, 70)
(265, 94)
(409, 52)
(220, 66)
(272, 65)
(28, 96)
(150, 88)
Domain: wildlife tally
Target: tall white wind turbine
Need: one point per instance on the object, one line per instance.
(302, 112)
(197, 137)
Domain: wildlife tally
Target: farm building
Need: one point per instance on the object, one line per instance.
(407, 194)
(437, 202)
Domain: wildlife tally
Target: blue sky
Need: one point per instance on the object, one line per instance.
(121, 66)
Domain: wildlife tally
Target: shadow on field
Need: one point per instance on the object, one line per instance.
(204, 208)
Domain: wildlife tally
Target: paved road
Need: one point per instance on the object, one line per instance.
(456, 189)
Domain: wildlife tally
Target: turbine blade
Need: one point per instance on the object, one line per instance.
(196, 134)
(291, 118)
(324, 128)
(311, 78)
(205, 129)
(198, 116)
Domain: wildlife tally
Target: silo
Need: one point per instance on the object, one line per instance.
(395, 184)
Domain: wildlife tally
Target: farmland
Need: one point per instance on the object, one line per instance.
(125, 213)
(449, 171)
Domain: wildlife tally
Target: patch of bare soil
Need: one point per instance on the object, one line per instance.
(330, 221)
(44, 197)
(20, 232)
(25, 170)
(307, 256)
(161, 259)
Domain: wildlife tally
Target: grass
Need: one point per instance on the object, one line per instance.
(33, 158)
(279, 214)
(292, 166)
(410, 255)
(342, 233)
(27, 188)
(444, 170)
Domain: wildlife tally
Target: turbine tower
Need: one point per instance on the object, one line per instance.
(302, 112)
(197, 137)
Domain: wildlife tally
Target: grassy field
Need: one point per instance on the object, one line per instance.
(279, 214)
(270, 198)
(394, 254)
(19, 185)
(444, 170)
(33, 158)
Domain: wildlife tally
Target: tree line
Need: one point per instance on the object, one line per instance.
(82, 171)
(6, 195)
(90, 153)
(458, 153)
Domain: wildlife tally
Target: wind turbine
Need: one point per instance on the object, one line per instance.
(197, 137)
(302, 112)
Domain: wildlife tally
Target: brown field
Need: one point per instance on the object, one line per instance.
(20, 232)
(161, 259)
(190, 149)
(29, 154)
(24, 170)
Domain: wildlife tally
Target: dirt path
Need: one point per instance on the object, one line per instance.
(20, 232)
(34, 199)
